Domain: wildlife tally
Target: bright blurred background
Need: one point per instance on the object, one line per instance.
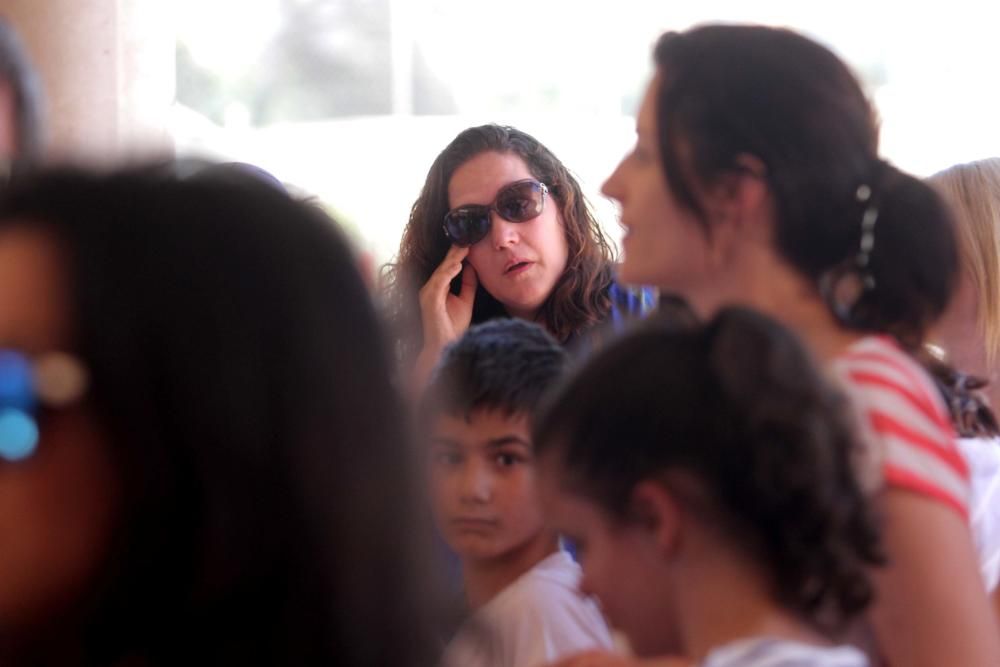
(351, 100)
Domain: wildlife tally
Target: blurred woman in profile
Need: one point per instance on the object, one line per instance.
(201, 457)
(756, 181)
(969, 335)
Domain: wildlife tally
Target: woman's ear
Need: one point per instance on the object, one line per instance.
(656, 513)
(738, 194)
(749, 191)
(740, 207)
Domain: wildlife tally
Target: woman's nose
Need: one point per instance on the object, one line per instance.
(503, 233)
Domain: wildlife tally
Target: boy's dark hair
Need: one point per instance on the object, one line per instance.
(503, 364)
(738, 406)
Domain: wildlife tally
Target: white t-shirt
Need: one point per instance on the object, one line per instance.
(539, 618)
(983, 457)
(770, 652)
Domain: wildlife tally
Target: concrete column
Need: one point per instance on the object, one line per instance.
(108, 69)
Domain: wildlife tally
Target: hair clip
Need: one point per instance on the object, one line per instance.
(867, 243)
(845, 284)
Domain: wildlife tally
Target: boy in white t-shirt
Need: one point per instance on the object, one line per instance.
(520, 588)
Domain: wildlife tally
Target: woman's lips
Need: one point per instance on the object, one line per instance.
(517, 267)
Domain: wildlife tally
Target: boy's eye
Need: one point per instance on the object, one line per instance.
(505, 460)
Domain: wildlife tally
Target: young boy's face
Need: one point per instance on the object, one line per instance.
(483, 483)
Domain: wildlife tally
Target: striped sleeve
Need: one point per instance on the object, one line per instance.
(903, 416)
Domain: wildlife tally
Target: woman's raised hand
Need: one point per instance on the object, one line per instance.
(445, 316)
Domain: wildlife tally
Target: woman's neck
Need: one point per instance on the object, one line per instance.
(524, 314)
(483, 579)
(770, 285)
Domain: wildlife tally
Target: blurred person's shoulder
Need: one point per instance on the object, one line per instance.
(543, 615)
(538, 618)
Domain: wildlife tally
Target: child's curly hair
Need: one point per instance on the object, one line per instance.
(738, 406)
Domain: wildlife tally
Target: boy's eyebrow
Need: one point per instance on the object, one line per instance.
(505, 440)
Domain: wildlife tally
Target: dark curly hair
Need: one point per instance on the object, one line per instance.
(579, 299)
(738, 406)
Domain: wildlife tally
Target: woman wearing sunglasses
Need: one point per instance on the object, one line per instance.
(755, 181)
(189, 433)
(501, 228)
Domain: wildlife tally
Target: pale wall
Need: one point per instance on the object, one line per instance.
(108, 71)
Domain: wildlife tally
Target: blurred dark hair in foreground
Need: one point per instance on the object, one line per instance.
(267, 513)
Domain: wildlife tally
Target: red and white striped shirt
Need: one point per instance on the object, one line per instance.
(903, 417)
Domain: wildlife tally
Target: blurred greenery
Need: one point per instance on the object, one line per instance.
(327, 59)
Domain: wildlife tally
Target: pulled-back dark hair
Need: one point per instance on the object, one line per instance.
(728, 91)
(238, 367)
(505, 365)
(579, 298)
(738, 406)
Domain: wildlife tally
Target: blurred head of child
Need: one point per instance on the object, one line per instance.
(705, 474)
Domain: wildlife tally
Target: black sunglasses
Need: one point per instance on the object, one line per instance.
(519, 201)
